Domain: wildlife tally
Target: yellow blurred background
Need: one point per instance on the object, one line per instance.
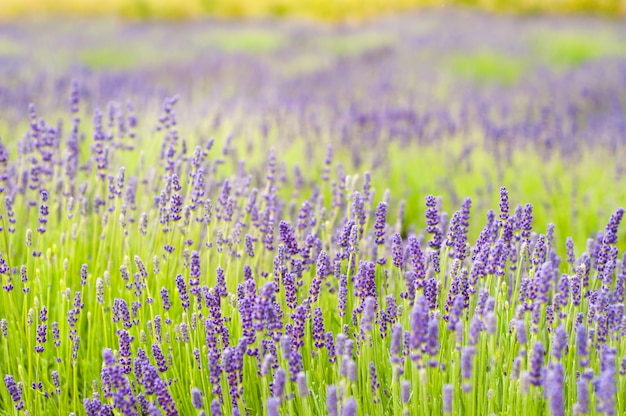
(331, 10)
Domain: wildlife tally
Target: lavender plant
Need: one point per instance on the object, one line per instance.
(145, 273)
(470, 102)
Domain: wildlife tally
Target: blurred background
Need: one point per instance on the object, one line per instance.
(316, 9)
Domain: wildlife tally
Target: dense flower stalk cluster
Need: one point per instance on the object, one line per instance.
(176, 281)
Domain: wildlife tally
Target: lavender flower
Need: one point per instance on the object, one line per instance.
(560, 342)
(272, 406)
(196, 398)
(504, 204)
(349, 407)
(536, 364)
(447, 398)
(379, 226)
(554, 389)
(582, 395)
(14, 392)
(374, 383)
(330, 347)
(182, 290)
(279, 383)
(216, 408)
(606, 383)
(331, 401)
(581, 344)
(303, 389)
(318, 328)
(288, 237)
(396, 344)
(467, 354)
(396, 250)
(405, 390)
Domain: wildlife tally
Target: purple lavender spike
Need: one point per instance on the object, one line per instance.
(14, 391)
(379, 225)
(349, 407)
(331, 400)
(559, 342)
(522, 338)
(447, 398)
(396, 250)
(318, 328)
(303, 389)
(279, 383)
(216, 409)
(582, 395)
(467, 355)
(196, 398)
(288, 237)
(536, 364)
(272, 406)
(581, 344)
(405, 391)
(374, 383)
(396, 344)
(330, 347)
(419, 323)
(504, 204)
(554, 389)
(606, 384)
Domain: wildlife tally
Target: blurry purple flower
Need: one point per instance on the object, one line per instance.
(196, 398)
(536, 364)
(582, 395)
(606, 384)
(554, 389)
(303, 389)
(447, 398)
(331, 400)
(405, 391)
(216, 409)
(349, 407)
(272, 406)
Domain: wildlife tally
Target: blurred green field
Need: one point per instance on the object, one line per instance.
(315, 9)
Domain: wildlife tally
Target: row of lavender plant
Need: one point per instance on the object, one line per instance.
(142, 274)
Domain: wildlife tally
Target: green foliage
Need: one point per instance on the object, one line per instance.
(487, 66)
(110, 58)
(567, 49)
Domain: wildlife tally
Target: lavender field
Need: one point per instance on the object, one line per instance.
(416, 215)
